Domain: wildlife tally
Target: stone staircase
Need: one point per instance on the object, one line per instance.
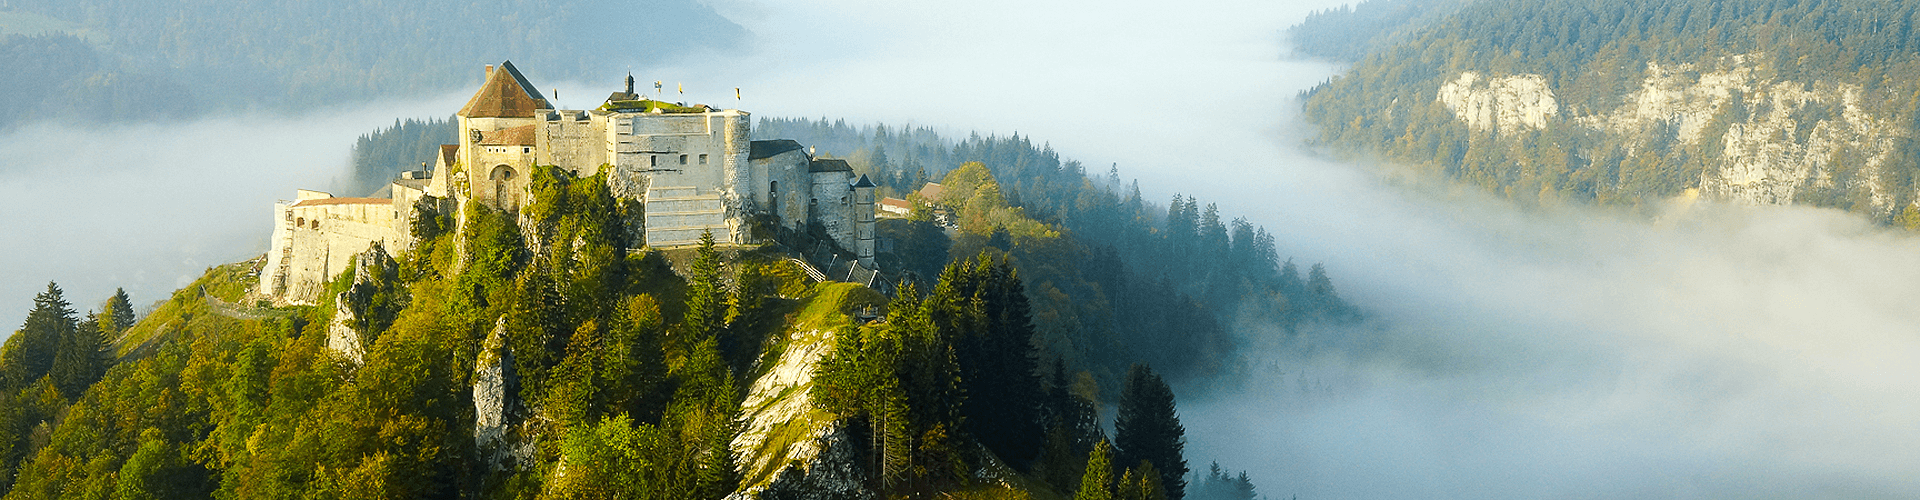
(676, 216)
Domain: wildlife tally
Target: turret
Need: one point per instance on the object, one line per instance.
(863, 221)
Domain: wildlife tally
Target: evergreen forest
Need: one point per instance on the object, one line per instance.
(1821, 89)
(111, 60)
(1043, 320)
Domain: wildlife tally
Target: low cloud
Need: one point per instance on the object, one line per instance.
(1512, 353)
(1714, 351)
(149, 207)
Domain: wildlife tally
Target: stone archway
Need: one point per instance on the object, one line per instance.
(504, 195)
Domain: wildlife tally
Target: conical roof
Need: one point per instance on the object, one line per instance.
(506, 94)
(863, 182)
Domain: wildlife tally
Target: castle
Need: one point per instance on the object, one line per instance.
(694, 169)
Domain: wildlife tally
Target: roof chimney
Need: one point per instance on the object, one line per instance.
(489, 71)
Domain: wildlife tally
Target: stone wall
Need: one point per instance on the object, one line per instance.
(316, 238)
(782, 187)
(832, 206)
(677, 216)
(575, 140)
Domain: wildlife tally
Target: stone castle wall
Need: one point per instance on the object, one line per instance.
(832, 205)
(692, 172)
(316, 238)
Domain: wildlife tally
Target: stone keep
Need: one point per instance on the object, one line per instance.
(694, 169)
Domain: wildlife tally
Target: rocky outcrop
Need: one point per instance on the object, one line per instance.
(1777, 138)
(832, 474)
(1506, 104)
(497, 415)
(340, 337)
(1765, 141)
(350, 308)
(786, 447)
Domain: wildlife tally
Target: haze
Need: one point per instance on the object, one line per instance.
(1717, 352)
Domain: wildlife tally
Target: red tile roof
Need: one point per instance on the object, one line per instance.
(506, 94)
(449, 153)
(932, 191)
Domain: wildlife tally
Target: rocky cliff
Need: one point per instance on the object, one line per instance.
(1638, 101)
(1769, 140)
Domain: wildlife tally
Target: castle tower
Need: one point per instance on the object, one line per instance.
(863, 221)
(498, 130)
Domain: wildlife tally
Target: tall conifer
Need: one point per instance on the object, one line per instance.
(1148, 429)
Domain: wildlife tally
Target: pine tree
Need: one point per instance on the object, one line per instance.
(1148, 429)
(1320, 291)
(117, 315)
(706, 295)
(984, 305)
(82, 357)
(30, 353)
(1097, 483)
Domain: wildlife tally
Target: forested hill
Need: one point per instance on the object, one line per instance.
(535, 356)
(1113, 276)
(98, 60)
(1636, 101)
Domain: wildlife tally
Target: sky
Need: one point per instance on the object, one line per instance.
(1710, 352)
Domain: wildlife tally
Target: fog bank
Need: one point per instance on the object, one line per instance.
(149, 207)
(1717, 352)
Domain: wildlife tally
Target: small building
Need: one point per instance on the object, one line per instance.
(895, 206)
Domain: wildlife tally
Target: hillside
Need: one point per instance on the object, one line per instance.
(111, 60)
(482, 364)
(1631, 103)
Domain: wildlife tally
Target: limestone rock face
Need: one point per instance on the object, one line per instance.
(496, 414)
(1507, 104)
(1771, 141)
(340, 337)
(833, 473)
(369, 269)
(786, 447)
(1778, 138)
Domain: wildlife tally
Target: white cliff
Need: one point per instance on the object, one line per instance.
(1770, 140)
(1506, 104)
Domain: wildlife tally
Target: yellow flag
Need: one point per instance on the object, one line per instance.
(682, 87)
(736, 92)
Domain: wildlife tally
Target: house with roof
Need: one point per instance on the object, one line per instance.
(693, 168)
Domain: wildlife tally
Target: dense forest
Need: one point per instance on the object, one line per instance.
(1349, 32)
(106, 60)
(1124, 271)
(495, 363)
(1633, 102)
(1112, 272)
(381, 155)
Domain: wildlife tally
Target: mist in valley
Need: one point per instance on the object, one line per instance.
(1714, 351)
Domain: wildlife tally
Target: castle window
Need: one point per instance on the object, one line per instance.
(300, 222)
(653, 161)
(703, 159)
(683, 159)
(316, 223)
(526, 150)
